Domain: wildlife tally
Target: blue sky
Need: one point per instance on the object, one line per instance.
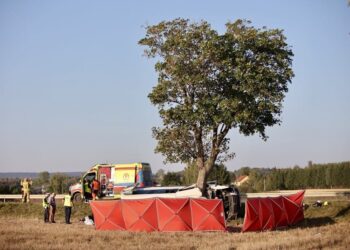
(74, 83)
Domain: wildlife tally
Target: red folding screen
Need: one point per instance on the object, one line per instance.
(273, 212)
(159, 214)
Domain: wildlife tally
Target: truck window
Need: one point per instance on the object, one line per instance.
(147, 176)
(90, 176)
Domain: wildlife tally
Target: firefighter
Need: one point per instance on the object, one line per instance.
(26, 183)
(95, 188)
(68, 204)
(46, 207)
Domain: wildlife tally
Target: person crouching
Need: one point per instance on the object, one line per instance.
(68, 204)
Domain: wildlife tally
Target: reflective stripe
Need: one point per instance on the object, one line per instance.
(68, 201)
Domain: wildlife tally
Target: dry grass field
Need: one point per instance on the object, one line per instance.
(21, 228)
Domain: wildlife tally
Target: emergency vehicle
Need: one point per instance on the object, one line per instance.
(113, 178)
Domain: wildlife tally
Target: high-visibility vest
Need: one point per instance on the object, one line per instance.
(87, 188)
(45, 203)
(68, 201)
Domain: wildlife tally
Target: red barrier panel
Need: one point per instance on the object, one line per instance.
(159, 214)
(174, 215)
(105, 216)
(271, 213)
(139, 215)
(207, 215)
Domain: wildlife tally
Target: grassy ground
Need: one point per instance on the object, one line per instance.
(21, 227)
(337, 211)
(35, 211)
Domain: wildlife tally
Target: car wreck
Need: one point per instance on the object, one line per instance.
(229, 194)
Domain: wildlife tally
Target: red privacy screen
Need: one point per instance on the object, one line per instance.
(273, 212)
(159, 214)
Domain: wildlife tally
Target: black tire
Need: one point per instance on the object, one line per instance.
(77, 197)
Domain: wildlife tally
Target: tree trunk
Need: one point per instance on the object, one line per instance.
(202, 181)
(203, 166)
(203, 171)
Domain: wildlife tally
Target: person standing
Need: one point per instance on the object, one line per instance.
(46, 207)
(52, 204)
(87, 190)
(95, 188)
(68, 204)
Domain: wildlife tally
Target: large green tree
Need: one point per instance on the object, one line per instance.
(210, 83)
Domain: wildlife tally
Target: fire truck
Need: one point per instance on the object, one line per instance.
(113, 179)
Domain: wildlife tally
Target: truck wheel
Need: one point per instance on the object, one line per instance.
(77, 197)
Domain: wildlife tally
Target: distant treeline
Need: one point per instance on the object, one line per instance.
(33, 175)
(10, 186)
(331, 175)
(44, 182)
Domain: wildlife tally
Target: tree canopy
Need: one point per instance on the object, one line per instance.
(209, 83)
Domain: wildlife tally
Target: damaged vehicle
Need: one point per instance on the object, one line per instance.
(229, 194)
